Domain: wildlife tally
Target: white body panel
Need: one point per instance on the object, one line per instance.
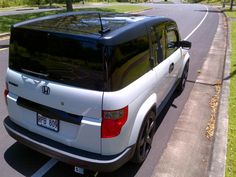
(72, 100)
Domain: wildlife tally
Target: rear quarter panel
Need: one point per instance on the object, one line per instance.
(134, 96)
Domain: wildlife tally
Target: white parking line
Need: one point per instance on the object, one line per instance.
(198, 24)
(45, 168)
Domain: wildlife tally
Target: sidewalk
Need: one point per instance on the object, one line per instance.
(189, 152)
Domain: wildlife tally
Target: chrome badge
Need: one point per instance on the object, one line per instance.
(45, 90)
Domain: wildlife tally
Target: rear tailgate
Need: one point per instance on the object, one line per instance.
(81, 107)
(59, 76)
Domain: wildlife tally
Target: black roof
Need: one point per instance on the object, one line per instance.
(115, 25)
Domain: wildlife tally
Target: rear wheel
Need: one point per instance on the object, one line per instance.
(183, 79)
(144, 142)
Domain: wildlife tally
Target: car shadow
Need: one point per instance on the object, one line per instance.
(232, 74)
(210, 11)
(23, 159)
(4, 46)
(164, 111)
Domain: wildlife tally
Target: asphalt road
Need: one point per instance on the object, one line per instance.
(18, 160)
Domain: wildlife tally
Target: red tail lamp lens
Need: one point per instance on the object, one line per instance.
(113, 121)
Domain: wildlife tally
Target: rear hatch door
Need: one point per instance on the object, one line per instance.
(57, 76)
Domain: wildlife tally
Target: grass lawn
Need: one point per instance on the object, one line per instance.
(211, 2)
(231, 148)
(7, 21)
(231, 14)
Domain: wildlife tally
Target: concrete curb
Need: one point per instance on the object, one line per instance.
(218, 161)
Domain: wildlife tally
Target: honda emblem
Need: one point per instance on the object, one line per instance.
(45, 90)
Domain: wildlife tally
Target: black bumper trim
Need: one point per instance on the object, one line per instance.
(49, 112)
(70, 155)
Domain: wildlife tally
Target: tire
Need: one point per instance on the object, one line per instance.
(183, 79)
(144, 141)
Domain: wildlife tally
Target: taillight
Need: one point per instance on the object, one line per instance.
(113, 121)
(6, 91)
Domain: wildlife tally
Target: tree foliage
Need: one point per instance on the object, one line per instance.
(8, 3)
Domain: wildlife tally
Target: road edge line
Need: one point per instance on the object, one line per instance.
(195, 29)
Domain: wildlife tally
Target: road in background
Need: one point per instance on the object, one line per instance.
(17, 160)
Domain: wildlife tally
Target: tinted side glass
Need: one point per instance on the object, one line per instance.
(128, 62)
(172, 39)
(158, 43)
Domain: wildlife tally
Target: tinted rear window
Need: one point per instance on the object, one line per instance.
(57, 57)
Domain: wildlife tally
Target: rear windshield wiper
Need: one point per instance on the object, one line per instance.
(34, 73)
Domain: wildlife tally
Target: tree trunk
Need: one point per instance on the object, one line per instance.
(231, 5)
(223, 5)
(69, 6)
(50, 3)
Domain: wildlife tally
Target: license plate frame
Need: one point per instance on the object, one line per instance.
(48, 123)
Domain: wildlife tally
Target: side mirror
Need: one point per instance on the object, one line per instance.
(185, 44)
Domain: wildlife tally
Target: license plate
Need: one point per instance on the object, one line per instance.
(51, 124)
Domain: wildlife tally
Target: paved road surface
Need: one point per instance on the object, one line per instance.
(17, 160)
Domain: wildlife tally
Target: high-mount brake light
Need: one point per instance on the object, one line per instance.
(113, 121)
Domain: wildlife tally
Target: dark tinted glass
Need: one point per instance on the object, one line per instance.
(57, 57)
(158, 43)
(172, 40)
(128, 62)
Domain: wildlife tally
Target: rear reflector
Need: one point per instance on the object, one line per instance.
(6, 91)
(113, 121)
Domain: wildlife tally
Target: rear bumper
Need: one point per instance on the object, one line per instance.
(70, 155)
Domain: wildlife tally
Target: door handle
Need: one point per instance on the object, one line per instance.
(171, 68)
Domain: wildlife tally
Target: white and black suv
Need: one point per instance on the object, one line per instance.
(86, 88)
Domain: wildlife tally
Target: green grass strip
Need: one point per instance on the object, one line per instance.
(7, 21)
(231, 147)
(231, 14)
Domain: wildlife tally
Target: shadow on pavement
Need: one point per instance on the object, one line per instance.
(232, 74)
(210, 11)
(23, 159)
(169, 104)
(4, 46)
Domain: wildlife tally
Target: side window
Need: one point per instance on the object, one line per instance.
(129, 61)
(158, 43)
(171, 39)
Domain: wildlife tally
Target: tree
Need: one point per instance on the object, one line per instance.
(50, 3)
(231, 5)
(223, 5)
(69, 6)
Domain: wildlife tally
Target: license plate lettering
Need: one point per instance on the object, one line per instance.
(48, 123)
